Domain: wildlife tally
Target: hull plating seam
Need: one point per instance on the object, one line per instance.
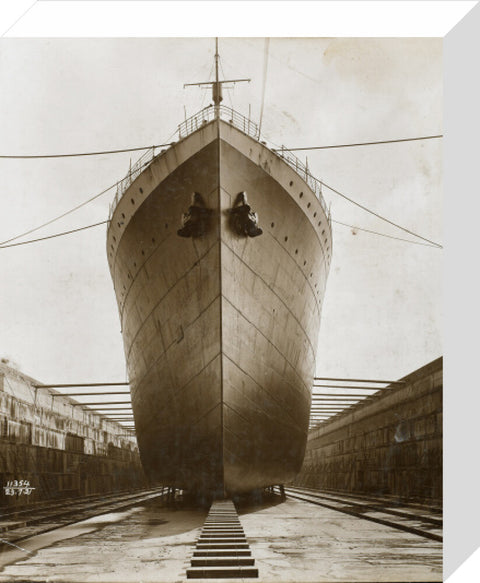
(273, 345)
(156, 306)
(277, 296)
(147, 257)
(255, 382)
(179, 389)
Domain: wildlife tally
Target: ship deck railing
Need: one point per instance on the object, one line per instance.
(239, 121)
(145, 160)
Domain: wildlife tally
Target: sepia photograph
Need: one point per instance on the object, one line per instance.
(221, 352)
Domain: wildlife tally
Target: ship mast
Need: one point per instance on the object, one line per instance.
(216, 87)
(217, 84)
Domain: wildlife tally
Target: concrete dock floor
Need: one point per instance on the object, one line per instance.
(290, 541)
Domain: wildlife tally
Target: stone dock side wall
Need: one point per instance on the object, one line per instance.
(60, 449)
(389, 445)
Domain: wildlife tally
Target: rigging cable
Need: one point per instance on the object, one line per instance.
(166, 145)
(282, 62)
(19, 156)
(385, 235)
(227, 88)
(2, 243)
(358, 144)
(265, 63)
(205, 89)
(104, 222)
(278, 151)
(379, 216)
(53, 236)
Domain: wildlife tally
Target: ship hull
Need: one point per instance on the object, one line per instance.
(220, 331)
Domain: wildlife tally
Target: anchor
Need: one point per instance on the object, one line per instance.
(196, 221)
(244, 221)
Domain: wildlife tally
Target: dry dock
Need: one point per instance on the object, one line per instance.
(291, 541)
(362, 508)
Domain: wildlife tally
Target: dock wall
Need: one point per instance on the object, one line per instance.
(388, 445)
(62, 450)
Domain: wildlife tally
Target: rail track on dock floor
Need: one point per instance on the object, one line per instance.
(17, 525)
(416, 519)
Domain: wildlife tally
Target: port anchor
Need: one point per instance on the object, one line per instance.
(196, 221)
(243, 220)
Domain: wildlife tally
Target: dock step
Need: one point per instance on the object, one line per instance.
(221, 572)
(222, 550)
(222, 561)
(223, 553)
(216, 545)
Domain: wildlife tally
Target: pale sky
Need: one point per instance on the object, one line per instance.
(382, 311)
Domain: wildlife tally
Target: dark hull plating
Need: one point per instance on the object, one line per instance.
(220, 332)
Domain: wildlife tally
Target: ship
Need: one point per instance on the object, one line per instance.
(219, 248)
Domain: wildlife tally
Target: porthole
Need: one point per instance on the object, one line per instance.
(291, 182)
(286, 239)
(143, 252)
(319, 223)
(301, 195)
(296, 251)
(141, 190)
(111, 247)
(272, 225)
(314, 214)
(153, 239)
(304, 263)
(323, 232)
(132, 201)
(123, 215)
(134, 264)
(308, 205)
(166, 225)
(114, 239)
